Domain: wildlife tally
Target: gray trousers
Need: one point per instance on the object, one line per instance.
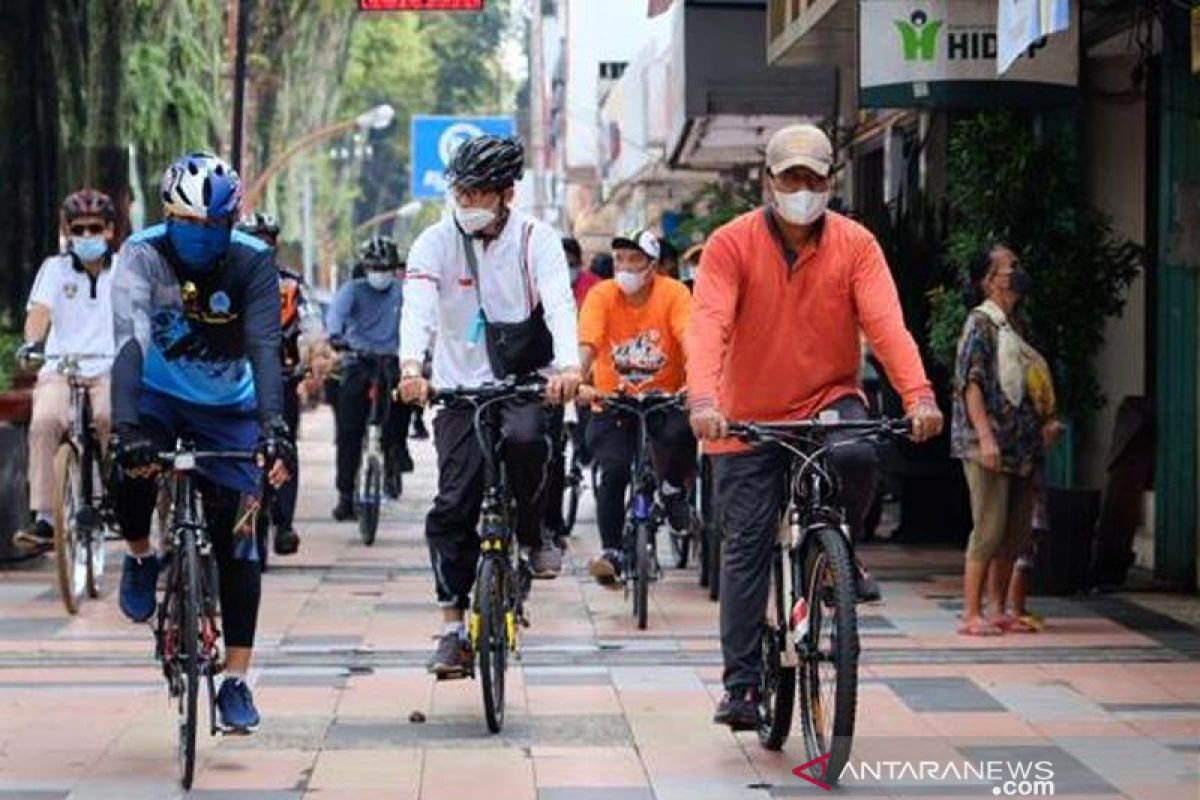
(750, 498)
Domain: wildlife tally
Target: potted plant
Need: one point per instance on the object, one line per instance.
(1011, 180)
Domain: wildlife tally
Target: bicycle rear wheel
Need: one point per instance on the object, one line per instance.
(189, 653)
(829, 666)
(491, 593)
(643, 567)
(70, 550)
(372, 497)
(777, 683)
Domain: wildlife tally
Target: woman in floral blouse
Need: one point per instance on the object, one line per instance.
(1003, 422)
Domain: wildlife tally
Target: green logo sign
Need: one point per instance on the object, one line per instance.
(919, 35)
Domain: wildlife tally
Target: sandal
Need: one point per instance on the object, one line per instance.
(1011, 624)
(979, 628)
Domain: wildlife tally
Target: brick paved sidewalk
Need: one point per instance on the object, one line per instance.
(1109, 695)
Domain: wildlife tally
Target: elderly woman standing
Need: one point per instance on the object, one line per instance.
(1002, 424)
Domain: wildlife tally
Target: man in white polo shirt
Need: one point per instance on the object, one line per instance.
(486, 264)
(69, 313)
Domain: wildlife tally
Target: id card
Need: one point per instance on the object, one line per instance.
(475, 334)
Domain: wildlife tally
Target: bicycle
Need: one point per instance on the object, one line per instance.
(185, 629)
(810, 631)
(370, 485)
(82, 511)
(644, 514)
(503, 576)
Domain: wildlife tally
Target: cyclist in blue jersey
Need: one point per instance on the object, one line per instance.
(197, 323)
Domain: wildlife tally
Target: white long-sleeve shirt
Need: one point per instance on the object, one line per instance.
(440, 296)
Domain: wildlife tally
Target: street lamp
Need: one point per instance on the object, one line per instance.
(405, 212)
(377, 118)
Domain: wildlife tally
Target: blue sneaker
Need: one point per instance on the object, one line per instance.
(139, 578)
(235, 704)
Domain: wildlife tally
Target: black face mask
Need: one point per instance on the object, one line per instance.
(1020, 282)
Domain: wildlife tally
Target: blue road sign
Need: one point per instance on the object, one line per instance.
(434, 140)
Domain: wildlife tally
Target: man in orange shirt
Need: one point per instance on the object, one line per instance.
(781, 296)
(631, 338)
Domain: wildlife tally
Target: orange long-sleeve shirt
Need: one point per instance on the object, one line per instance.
(773, 341)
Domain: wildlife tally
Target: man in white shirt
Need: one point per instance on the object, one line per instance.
(515, 272)
(69, 313)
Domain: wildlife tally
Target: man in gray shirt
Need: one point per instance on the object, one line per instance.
(364, 325)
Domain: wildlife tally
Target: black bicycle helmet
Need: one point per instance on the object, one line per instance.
(379, 252)
(259, 224)
(88, 203)
(492, 163)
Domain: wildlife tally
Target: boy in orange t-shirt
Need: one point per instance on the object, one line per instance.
(632, 333)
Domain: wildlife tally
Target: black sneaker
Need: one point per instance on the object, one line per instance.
(345, 511)
(679, 511)
(37, 536)
(393, 483)
(868, 587)
(452, 658)
(287, 541)
(739, 710)
(606, 567)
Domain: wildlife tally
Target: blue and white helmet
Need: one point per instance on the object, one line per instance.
(202, 186)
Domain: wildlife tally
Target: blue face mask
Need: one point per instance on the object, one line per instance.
(89, 248)
(198, 246)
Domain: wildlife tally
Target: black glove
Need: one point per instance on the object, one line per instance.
(30, 354)
(275, 444)
(132, 448)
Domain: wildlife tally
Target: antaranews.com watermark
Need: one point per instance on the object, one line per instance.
(1005, 778)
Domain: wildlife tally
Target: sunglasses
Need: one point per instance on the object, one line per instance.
(85, 230)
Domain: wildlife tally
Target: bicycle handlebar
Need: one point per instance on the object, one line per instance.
(185, 459)
(487, 392)
(751, 432)
(646, 401)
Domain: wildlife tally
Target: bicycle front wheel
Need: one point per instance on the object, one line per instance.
(188, 607)
(571, 498)
(641, 589)
(70, 550)
(372, 497)
(829, 664)
(492, 645)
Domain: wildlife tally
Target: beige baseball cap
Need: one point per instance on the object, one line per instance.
(800, 146)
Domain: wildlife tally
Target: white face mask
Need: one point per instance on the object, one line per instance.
(473, 220)
(380, 281)
(631, 282)
(802, 207)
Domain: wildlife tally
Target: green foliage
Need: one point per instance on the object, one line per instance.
(9, 342)
(1012, 183)
(465, 48)
(716, 204)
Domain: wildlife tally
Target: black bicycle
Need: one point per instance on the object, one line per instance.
(503, 576)
(573, 476)
(371, 483)
(644, 514)
(185, 630)
(82, 508)
(810, 630)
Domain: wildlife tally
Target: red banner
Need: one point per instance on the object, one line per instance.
(420, 5)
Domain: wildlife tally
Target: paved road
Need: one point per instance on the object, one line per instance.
(1108, 697)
